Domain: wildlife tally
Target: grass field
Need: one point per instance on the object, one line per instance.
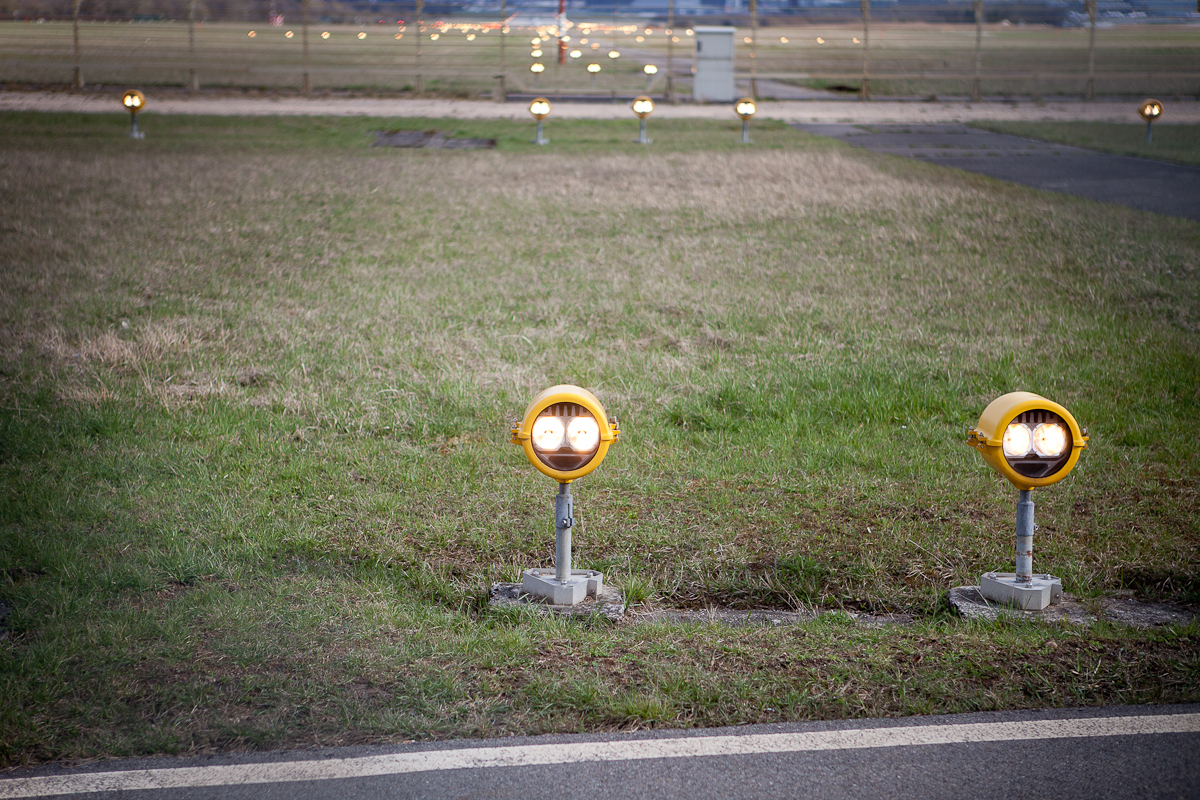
(256, 380)
(1179, 143)
(905, 59)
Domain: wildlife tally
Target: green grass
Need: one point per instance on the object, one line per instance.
(1168, 142)
(256, 380)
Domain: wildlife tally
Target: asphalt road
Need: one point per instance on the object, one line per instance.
(1126, 752)
(1172, 189)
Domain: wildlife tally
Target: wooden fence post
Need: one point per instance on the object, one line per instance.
(1089, 92)
(78, 77)
(864, 92)
(976, 89)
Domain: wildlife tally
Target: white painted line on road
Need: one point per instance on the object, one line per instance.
(630, 750)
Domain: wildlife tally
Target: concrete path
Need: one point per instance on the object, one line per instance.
(1172, 189)
(1141, 752)
(828, 111)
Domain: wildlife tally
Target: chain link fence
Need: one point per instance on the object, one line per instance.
(972, 50)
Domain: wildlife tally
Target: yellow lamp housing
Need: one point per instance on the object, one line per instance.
(1150, 110)
(539, 108)
(593, 68)
(745, 107)
(1028, 439)
(134, 101)
(642, 106)
(565, 432)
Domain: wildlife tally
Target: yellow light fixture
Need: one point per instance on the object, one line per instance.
(593, 67)
(613, 54)
(362, 35)
(288, 35)
(650, 69)
(252, 34)
(540, 108)
(537, 68)
(1028, 439)
(1150, 110)
(746, 107)
(536, 53)
(565, 432)
(643, 106)
(134, 101)
(324, 34)
(576, 53)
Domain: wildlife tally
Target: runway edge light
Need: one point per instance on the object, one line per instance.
(565, 434)
(1032, 442)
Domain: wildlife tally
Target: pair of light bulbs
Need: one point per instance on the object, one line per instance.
(1047, 439)
(581, 434)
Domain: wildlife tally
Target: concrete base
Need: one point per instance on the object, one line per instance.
(582, 583)
(608, 603)
(1003, 587)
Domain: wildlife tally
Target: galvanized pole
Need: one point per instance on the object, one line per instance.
(420, 12)
(500, 92)
(564, 521)
(1025, 529)
(306, 84)
(78, 80)
(976, 89)
(671, 51)
(753, 48)
(864, 93)
(193, 79)
(1089, 93)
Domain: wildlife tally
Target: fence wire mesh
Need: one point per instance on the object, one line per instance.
(972, 50)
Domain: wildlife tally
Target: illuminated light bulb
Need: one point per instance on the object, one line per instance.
(535, 42)
(537, 67)
(642, 106)
(583, 434)
(746, 39)
(470, 37)
(362, 35)
(536, 54)
(595, 45)
(399, 35)
(650, 69)
(783, 39)
(434, 36)
(690, 32)
(547, 433)
(1049, 440)
(576, 53)
(565, 39)
(593, 68)
(745, 108)
(640, 39)
(324, 34)
(583, 41)
(288, 35)
(613, 54)
(820, 40)
(674, 38)
(540, 107)
(647, 31)
(252, 34)
(1017, 440)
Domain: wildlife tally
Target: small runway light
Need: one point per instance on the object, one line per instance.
(1032, 442)
(565, 434)
(537, 67)
(288, 35)
(650, 69)
(324, 34)
(540, 108)
(614, 54)
(642, 106)
(535, 53)
(745, 108)
(593, 67)
(134, 101)
(1150, 110)
(576, 53)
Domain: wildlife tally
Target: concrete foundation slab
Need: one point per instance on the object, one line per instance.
(607, 602)
(542, 583)
(1003, 587)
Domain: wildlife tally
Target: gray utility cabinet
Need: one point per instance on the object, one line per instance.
(714, 65)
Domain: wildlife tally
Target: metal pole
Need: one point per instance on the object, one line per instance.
(642, 132)
(976, 89)
(78, 80)
(1149, 125)
(671, 51)
(499, 94)
(1089, 93)
(745, 131)
(193, 82)
(864, 93)
(306, 84)
(1025, 528)
(753, 48)
(564, 521)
